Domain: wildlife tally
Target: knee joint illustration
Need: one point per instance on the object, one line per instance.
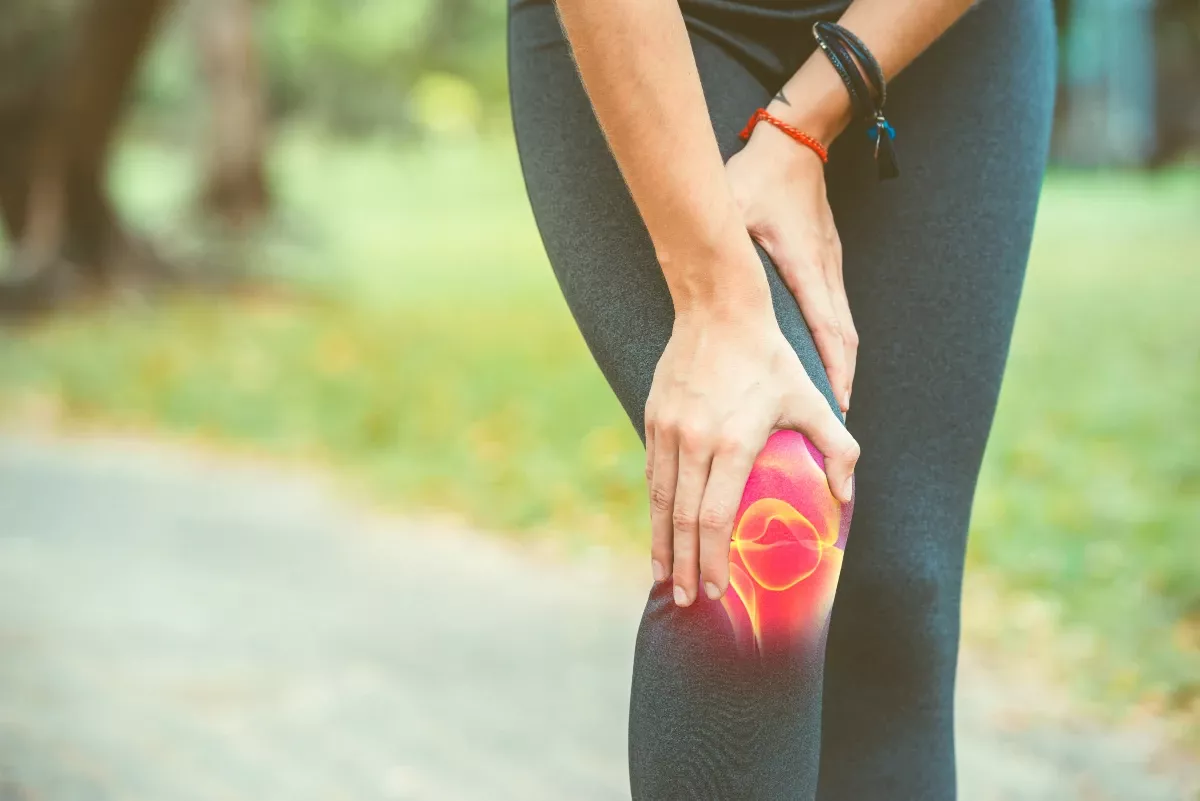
(786, 553)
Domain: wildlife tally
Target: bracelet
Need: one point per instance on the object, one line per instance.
(864, 55)
(845, 51)
(762, 115)
(862, 102)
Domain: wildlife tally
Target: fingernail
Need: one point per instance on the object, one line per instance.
(848, 489)
(846, 402)
(659, 571)
(711, 591)
(681, 598)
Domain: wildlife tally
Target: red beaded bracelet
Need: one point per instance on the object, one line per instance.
(762, 115)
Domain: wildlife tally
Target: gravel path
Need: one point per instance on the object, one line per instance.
(183, 627)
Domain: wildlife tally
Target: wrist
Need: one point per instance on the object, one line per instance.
(771, 146)
(824, 119)
(815, 100)
(722, 279)
(726, 303)
(774, 156)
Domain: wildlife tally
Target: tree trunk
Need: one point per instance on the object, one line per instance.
(57, 137)
(234, 189)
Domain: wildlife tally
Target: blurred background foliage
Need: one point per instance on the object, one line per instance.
(341, 171)
(359, 66)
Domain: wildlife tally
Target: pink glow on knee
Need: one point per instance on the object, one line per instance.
(786, 552)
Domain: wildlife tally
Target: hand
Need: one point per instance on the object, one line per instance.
(779, 185)
(724, 383)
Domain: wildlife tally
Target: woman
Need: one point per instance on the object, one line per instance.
(714, 282)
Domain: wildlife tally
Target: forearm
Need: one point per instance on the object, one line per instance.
(896, 32)
(636, 62)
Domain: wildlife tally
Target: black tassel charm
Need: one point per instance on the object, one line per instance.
(884, 135)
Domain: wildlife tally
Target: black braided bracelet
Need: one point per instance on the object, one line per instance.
(845, 52)
(861, 95)
(861, 52)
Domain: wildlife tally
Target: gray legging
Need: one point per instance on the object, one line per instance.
(862, 709)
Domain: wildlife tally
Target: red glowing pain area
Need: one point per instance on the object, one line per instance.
(786, 553)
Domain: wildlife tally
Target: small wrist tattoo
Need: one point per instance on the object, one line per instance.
(782, 98)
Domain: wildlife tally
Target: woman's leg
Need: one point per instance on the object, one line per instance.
(934, 263)
(726, 695)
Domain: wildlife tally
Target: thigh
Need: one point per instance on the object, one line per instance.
(934, 260)
(934, 263)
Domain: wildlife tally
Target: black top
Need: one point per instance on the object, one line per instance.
(771, 37)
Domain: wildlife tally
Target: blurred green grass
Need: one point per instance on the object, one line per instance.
(430, 354)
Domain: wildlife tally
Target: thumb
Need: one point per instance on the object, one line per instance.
(806, 411)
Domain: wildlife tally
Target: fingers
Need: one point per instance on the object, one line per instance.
(695, 459)
(809, 414)
(818, 311)
(807, 280)
(691, 507)
(841, 309)
(731, 467)
(662, 479)
(658, 561)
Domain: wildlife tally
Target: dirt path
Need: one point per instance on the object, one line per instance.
(177, 627)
